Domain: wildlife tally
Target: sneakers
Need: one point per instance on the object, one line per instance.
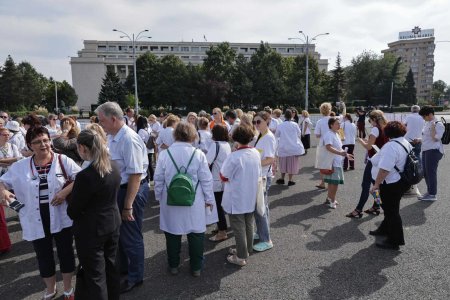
(233, 259)
(263, 246)
(69, 295)
(428, 198)
(424, 195)
(413, 191)
(332, 204)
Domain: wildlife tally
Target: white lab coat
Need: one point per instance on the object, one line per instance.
(183, 219)
(26, 188)
(242, 168)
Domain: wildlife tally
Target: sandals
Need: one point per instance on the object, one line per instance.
(321, 187)
(233, 259)
(372, 211)
(217, 238)
(356, 214)
(280, 181)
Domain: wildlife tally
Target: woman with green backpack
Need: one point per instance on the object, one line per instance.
(183, 186)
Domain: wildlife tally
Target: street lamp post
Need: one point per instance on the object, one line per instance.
(133, 39)
(306, 40)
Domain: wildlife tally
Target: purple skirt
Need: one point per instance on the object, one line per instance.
(289, 164)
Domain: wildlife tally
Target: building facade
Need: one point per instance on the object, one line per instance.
(416, 50)
(89, 67)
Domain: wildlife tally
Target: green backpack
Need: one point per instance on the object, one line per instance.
(181, 191)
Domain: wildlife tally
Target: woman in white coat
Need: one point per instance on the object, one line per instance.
(38, 182)
(176, 221)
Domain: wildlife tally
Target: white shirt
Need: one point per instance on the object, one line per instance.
(54, 131)
(322, 127)
(130, 122)
(145, 135)
(242, 168)
(305, 122)
(274, 124)
(266, 147)
(428, 143)
(224, 151)
(332, 138)
(391, 155)
(236, 123)
(414, 126)
(26, 188)
(18, 140)
(183, 219)
(165, 137)
(156, 127)
(349, 133)
(289, 144)
(129, 152)
(203, 140)
(9, 151)
(374, 131)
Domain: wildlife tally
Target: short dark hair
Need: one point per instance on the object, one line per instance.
(34, 132)
(426, 110)
(243, 134)
(220, 133)
(231, 114)
(331, 121)
(288, 114)
(31, 120)
(394, 129)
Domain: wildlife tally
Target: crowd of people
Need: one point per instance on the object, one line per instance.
(91, 186)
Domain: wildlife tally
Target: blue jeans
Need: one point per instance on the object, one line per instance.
(131, 242)
(263, 222)
(430, 162)
(365, 187)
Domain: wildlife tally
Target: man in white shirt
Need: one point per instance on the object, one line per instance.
(414, 125)
(232, 120)
(129, 118)
(129, 152)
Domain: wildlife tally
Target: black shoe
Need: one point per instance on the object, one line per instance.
(387, 245)
(377, 233)
(291, 183)
(280, 181)
(127, 286)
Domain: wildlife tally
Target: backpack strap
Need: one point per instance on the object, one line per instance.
(62, 167)
(215, 157)
(190, 160)
(395, 167)
(173, 161)
(257, 140)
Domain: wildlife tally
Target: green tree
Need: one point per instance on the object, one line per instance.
(409, 89)
(194, 88)
(171, 85)
(112, 89)
(9, 86)
(438, 92)
(241, 83)
(267, 76)
(338, 80)
(32, 85)
(66, 95)
(147, 66)
(294, 79)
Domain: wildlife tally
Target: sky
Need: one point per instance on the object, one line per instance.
(47, 32)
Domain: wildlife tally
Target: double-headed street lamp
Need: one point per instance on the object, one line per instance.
(306, 40)
(133, 39)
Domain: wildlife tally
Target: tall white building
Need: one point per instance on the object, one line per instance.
(89, 67)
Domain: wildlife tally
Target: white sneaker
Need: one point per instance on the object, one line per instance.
(332, 205)
(413, 191)
(429, 198)
(424, 195)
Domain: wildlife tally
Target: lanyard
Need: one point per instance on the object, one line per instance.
(33, 176)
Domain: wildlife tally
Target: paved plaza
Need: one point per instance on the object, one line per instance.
(318, 253)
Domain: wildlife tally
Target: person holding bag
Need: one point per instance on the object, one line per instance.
(333, 144)
(189, 220)
(217, 153)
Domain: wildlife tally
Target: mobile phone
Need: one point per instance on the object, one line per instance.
(16, 205)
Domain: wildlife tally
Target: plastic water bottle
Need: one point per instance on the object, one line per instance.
(376, 197)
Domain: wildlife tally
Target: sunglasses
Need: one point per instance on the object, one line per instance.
(215, 113)
(256, 122)
(4, 117)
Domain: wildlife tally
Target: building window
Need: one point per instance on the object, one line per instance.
(282, 50)
(195, 49)
(110, 68)
(101, 48)
(184, 57)
(174, 49)
(164, 48)
(184, 49)
(153, 48)
(144, 48)
(204, 49)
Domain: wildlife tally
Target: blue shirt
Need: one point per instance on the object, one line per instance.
(128, 150)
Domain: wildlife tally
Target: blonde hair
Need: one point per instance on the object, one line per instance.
(378, 116)
(99, 154)
(305, 113)
(325, 108)
(152, 118)
(99, 129)
(239, 112)
(277, 112)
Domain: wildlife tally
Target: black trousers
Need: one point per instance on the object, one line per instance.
(150, 170)
(350, 150)
(99, 278)
(222, 224)
(390, 195)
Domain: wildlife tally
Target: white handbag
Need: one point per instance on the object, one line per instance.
(324, 158)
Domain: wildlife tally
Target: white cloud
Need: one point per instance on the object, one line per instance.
(46, 32)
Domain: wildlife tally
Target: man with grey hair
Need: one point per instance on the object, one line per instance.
(129, 152)
(414, 125)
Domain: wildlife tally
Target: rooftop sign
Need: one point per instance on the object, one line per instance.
(415, 33)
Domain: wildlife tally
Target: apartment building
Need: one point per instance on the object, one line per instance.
(416, 49)
(89, 67)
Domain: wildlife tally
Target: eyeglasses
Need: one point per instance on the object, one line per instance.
(215, 113)
(44, 141)
(256, 122)
(4, 134)
(53, 119)
(4, 117)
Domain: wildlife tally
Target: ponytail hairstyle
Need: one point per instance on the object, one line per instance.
(97, 149)
(378, 116)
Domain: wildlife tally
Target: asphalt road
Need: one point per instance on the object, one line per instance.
(318, 252)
